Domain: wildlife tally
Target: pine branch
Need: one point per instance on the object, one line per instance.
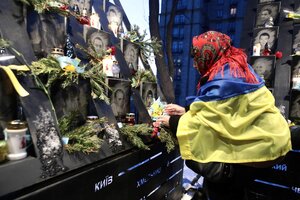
(142, 76)
(147, 46)
(166, 137)
(134, 133)
(84, 138)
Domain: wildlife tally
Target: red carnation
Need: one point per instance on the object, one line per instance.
(155, 132)
(278, 54)
(83, 20)
(64, 7)
(113, 50)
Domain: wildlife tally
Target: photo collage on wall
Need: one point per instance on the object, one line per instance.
(295, 88)
(96, 40)
(265, 36)
(295, 71)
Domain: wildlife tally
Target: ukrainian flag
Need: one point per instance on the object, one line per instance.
(233, 121)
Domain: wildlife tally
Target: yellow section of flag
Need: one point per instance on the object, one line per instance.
(246, 128)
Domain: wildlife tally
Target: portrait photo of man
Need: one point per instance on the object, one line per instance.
(148, 93)
(115, 19)
(119, 97)
(265, 36)
(131, 53)
(97, 39)
(264, 67)
(267, 14)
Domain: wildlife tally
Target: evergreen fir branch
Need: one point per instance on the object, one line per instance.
(134, 133)
(51, 67)
(85, 144)
(166, 137)
(98, 91)
(142, 76)
(52, 79)
(95, 57)
(69, 79)
(97, 81)
(84, 138)
(150, 46)
(46, 66)
(147, 46)
(95, 73)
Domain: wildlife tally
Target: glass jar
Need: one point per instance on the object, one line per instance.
(130, 119)
(57, 52)
(16, 139)
(91, 118)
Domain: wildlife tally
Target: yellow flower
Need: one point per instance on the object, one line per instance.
(70, 68)
(156, 109)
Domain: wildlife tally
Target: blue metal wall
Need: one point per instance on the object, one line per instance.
(192, 18)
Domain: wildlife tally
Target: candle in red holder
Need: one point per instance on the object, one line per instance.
(130, 119)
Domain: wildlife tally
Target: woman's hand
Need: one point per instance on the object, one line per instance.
(174, 109)
(162, 121)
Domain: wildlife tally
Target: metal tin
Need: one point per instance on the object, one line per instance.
(16, 125)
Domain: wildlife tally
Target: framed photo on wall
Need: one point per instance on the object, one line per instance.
(114, 16)
(96, 39)
(264, 66)
(148, 93)
(296, 40)
(295, 73)
(295, 66)
(267, 14)
(295, 105)
(119, 97)
(265, 36)
(131, 53)
(81, 5)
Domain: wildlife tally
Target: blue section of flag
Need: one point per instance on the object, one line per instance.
(226, 86)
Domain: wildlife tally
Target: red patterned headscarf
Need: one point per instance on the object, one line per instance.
(212, 50)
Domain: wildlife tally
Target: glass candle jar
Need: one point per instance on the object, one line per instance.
(16, 139)
(130, 119)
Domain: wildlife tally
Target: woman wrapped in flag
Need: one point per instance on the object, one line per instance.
(232, 120)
